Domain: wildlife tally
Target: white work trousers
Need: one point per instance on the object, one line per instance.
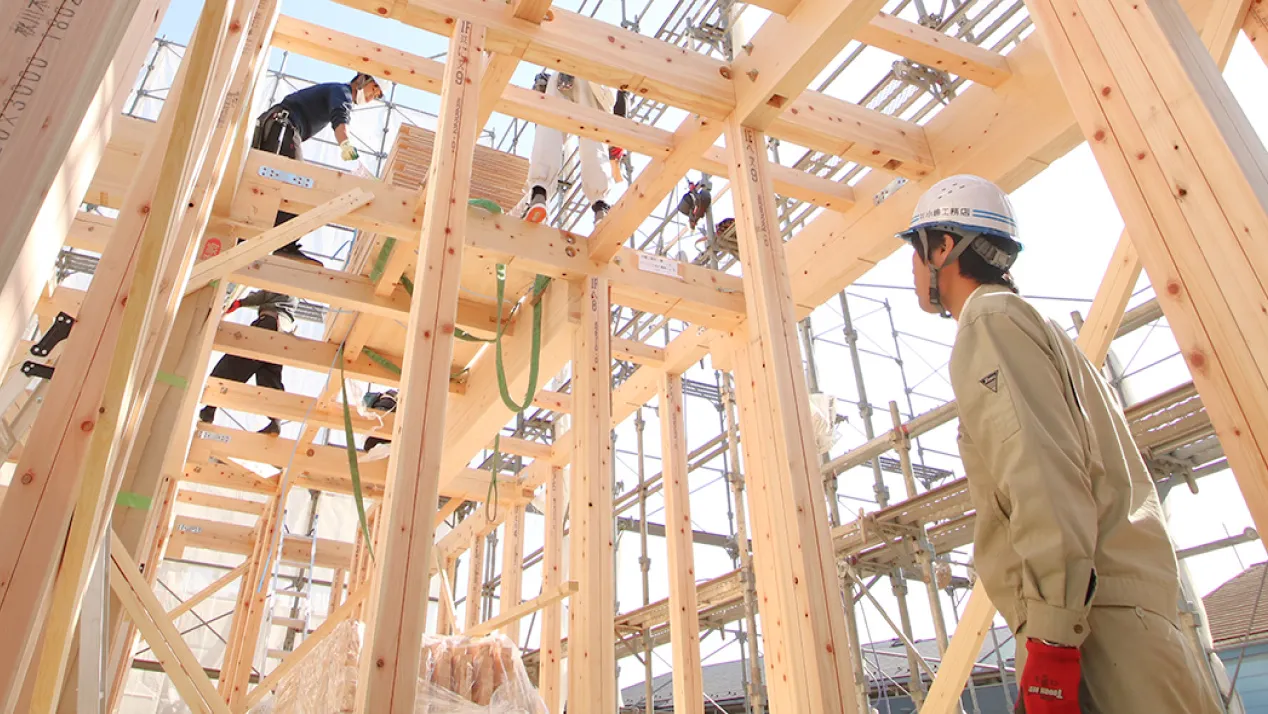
(548, 145)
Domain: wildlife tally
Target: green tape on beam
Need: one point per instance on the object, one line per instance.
(171, 380)
(133, 500)
(381, 361)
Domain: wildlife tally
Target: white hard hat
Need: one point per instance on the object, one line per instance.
(965, 204)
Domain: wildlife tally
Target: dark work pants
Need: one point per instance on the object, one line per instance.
(276, 135)
(241, 369)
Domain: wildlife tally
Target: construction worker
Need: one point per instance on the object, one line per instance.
(274, 311)
(1070, 541)
(547, 158)
(303, 114)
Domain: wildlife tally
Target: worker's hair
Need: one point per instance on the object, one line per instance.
(973, 266)
(363, 78)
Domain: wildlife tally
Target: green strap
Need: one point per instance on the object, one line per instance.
(353, 468)
(172, 380)
(380, 263)
(491, 500)
(127, 499)
(539, 286)
(378, 359)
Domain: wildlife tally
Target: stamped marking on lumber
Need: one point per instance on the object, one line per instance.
(28, 23)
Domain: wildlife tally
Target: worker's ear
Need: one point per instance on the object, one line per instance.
(942, 243)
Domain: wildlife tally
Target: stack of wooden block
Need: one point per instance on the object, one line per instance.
(457, 672)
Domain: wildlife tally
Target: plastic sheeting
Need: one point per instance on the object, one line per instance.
(457, 675)
(485, 675)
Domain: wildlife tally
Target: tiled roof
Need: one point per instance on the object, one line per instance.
(1229, 608)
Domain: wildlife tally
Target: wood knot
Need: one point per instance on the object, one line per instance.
(28, 477)
(87, 425)
(1099, 135)
(1106, 91)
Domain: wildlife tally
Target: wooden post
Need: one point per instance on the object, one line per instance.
(1256, 28)
(549, 672)
(591, 621)
(398, 614)
(815, 645)
(512, 570)
(66, 72)
(447, 618)
(89, 391)
(1095, 338)
(684, 620)
(254, 596)
(475, 580)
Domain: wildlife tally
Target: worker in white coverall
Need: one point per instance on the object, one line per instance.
(1069, 539)
(547, 159)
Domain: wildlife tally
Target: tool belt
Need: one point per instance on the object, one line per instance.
(271, 125)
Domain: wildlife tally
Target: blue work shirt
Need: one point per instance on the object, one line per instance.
(321, 105)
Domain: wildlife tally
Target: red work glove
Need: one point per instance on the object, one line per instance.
(615, 153)
(233, 306)
(1050, 682)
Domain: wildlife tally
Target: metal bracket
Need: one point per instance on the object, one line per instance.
(890, 189)
(59, 331)
(285, 177)
(35, 369)
(213, 436)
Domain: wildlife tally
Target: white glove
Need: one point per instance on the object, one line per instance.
(349, 151)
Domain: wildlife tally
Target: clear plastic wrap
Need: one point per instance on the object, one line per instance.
(457, 675)
(483, 675)
(325, 682)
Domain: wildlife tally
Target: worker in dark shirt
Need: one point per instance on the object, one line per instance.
(276, 312)
(382, 402)
(302, 115)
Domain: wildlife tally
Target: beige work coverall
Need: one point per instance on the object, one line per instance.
(1069, 539)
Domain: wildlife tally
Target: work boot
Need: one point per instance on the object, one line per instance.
(273, 428)
(207, 415)
(600, 209)
(536, 210)
(291, 251)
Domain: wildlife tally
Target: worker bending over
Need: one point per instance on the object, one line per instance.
(548, 143)
(274, 311)
(301, 116)
(1069, 541)
(379, 402)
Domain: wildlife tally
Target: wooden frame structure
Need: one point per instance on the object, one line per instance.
(1183, 166)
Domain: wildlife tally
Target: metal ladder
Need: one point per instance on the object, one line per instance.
(298, 601)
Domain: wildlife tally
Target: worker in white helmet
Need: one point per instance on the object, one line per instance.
(1069, 539)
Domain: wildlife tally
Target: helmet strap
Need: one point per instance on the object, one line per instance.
(957, 248)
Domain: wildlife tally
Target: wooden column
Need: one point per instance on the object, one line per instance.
(1095, 338)
(446, 618)
(815, 644)
(67, 70)
(254, 596)
(90, 388)
(591, 621)
(684, 619)
(475, 580)
(398, 615)
(1188, 175)
(549, 680)
(1256, 27)
(512, 570)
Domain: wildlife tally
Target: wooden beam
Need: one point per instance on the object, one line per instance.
(164, 639)
(475, 581)
(935, 49)
(216, 586)
(684, 620)
(815, 648)
(340, 615)
(505, 619)
(229, 475)
(73, 69)
(591, 623)
(243, 254)
(227, 394)
(217, 501)
(92, 392)
(549, 678)
(787, 53)
(292, 351)
(961, 656)
(512, 574)
(398, 614)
